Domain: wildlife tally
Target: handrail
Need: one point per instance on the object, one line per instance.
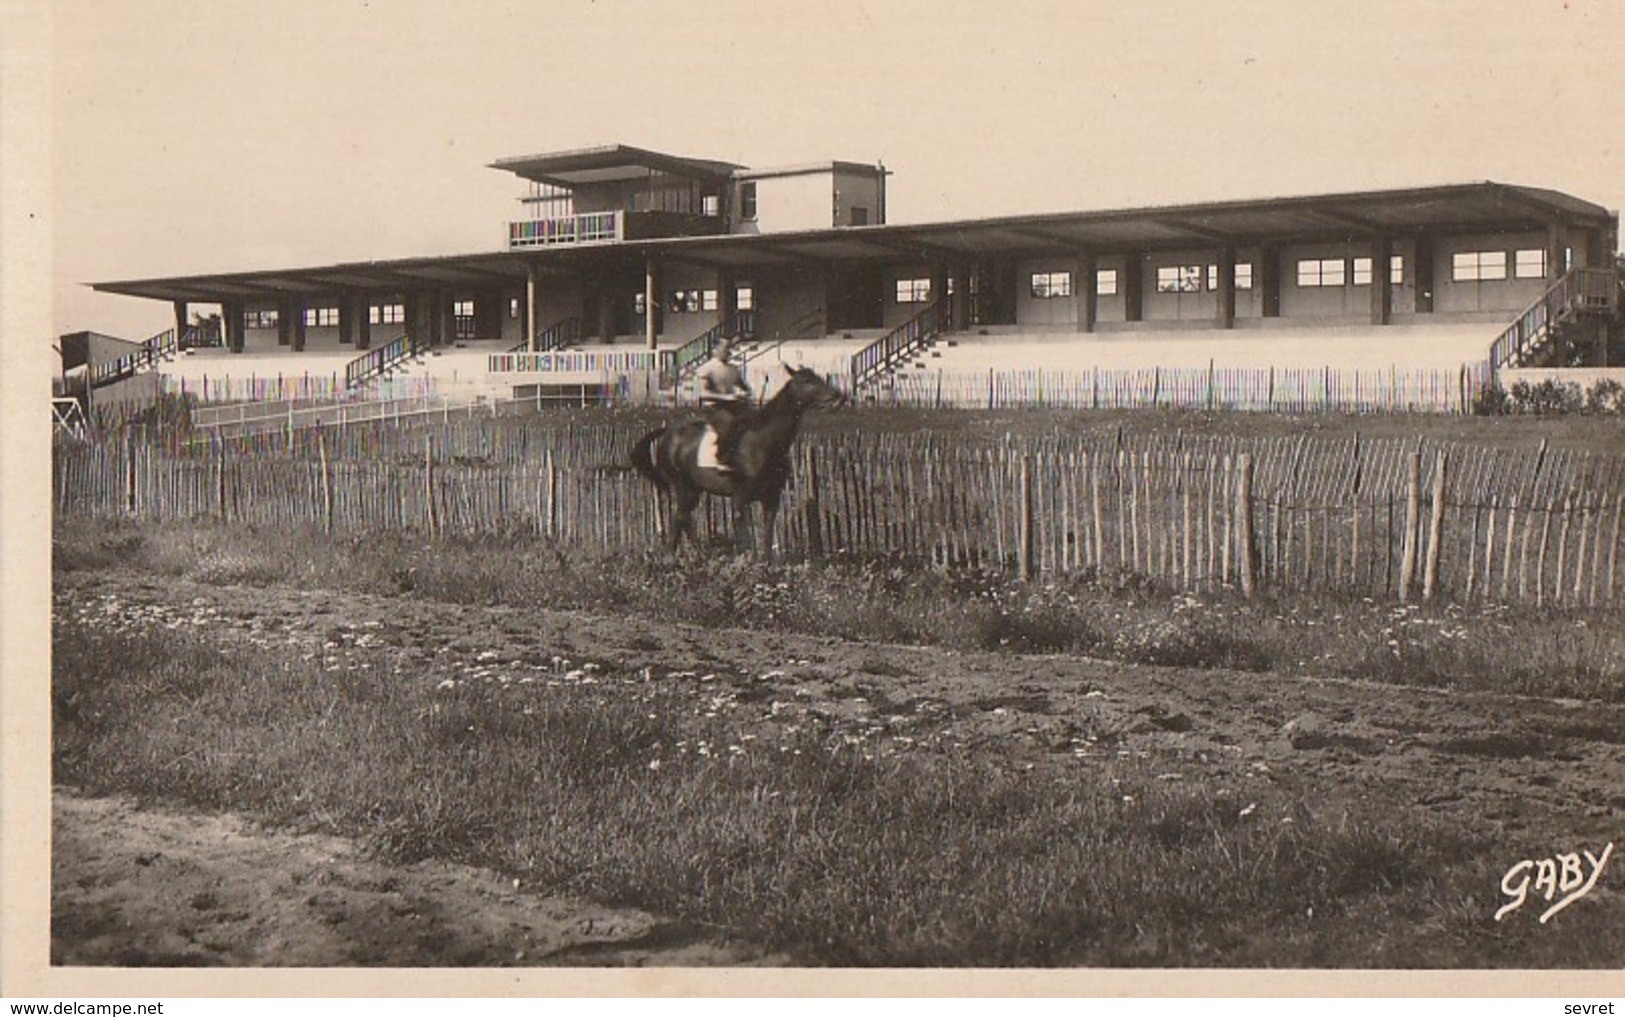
(561, 333)
(143, 356)
(581, 228)
(687, 358)
(376, 361)
(897, 345)
(815, 314)
(1587, 289)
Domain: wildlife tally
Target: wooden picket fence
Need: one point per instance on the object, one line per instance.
(1393, 519)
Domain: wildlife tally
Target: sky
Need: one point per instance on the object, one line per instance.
(193, 137)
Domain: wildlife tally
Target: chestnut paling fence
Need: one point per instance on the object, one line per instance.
(1397, 519)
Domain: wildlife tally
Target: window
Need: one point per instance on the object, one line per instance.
(387, 314)
(1106, 282)
(1244, 276)
(1179, 278)
(1051, 284)
(747, 200)
(745, 297)
(683, 301)
(318, 316)
(1321, 272)
(709, 300)
(259, 319)
(710, 204)
(1530, 264)
(913, 291)
(513, 307)
(1478, 266)
(1396, 270)
(1362, 272)
(637, 302)
(462, 308)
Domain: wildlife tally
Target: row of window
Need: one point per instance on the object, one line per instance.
(694, 301)
(1466, 266)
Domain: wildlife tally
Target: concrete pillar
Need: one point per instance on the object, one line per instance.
(533, 286)
(939, 283)
(607, 296)
(1225, 313)
(1084, 292)
(727, 299)
(180, 319)
(346, 319)
(363, 321)
(651, 302)
(1556, 241)
(1382, 289)
(1424, 275)
(284, 322)
(232, 311)
(962, 277)
(1134, 286)
(1267, 277)
(298, 306)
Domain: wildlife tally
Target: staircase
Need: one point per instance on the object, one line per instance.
(1582, 297)
(901, 345)
(378, 362)
(760, 346)
(687, 358)
(166, 345)
(556, 336)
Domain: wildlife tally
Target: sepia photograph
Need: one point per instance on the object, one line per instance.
(856, 497)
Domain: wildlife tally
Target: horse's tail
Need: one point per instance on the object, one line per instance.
(642, 458)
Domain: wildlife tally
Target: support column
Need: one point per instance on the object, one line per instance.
(284, 322)
(607, 296)
(533, 286)
(1225, 313)
(1134, 286)
(1085, 292)
(180, 319)
(651, 302)
(1382, 287)
(346, 319)
(1424, 275)
(727, 299)
(939, 284)
(232, 311)
(962, 278)
(1556, 242)
(1267, 277)
(363, 321)
(298, 325)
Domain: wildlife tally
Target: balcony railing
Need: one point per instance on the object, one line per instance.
(1579, 289)
(585, 228)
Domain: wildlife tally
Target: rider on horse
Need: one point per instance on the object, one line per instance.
(722, 391)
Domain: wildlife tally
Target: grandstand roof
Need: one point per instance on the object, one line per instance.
(1459, 208)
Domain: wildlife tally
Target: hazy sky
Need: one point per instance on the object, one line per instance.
(216, 136)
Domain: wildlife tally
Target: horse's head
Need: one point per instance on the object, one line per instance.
(810, 391)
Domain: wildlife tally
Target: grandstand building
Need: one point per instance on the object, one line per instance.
(624, 265)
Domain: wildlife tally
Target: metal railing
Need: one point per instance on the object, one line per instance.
(559, 334)
(902, 342)
(687, 358)
(375, 362)
(1579, 289)
(811, 318)
(583, 228)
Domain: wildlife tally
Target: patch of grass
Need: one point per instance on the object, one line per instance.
(630, 791)
(1536, 652)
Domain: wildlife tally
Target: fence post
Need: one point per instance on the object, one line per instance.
(1430, 573)
(1413, 511)
(428, 484)
(812, 509)
(1244, 523)
(327, 482)
(1027, 538)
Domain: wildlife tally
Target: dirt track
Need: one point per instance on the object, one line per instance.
(160, 887)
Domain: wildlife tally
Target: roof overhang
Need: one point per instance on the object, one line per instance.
(1449, 210)
(610, 163)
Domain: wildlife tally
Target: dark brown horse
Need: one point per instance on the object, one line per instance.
(667, 457)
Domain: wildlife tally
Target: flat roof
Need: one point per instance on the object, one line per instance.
(1457, 208)
(607, 163)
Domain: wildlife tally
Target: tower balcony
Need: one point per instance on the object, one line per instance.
(608, 228)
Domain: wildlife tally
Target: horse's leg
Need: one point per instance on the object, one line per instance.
(744, 523)
(684, 501)
(770, 514)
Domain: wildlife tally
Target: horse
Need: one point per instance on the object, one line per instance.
(667, 457)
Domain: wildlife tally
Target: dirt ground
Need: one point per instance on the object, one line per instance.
(140, 886)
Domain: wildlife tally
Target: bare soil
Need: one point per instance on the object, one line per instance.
(135, 884)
